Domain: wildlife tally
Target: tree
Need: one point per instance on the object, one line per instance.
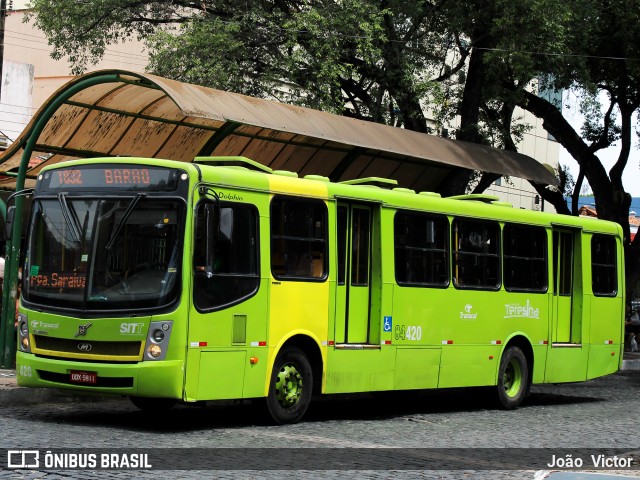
(399, 63)
(603, 38)
(334, 53)
(389, 61)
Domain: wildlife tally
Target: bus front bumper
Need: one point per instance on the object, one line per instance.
(158, 379)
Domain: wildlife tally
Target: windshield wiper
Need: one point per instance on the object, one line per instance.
(125, 217)
(70, 218)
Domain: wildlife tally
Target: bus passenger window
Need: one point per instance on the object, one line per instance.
(476, 260)
(604, 272)
(420, 246)
(298, 239)
(525, 258)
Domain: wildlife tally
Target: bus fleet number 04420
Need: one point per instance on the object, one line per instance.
(408, 332)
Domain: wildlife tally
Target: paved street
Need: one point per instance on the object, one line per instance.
(604, 413)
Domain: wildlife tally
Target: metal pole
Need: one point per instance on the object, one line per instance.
(7, 330)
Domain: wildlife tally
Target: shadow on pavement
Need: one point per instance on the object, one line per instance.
(121, 414)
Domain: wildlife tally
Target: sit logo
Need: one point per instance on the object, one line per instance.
(131, 328)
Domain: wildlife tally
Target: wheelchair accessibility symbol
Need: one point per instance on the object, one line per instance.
(387, 324)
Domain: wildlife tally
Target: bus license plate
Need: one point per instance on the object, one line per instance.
(83, 377)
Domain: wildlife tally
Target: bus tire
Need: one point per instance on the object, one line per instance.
(147, 404)
(513, 379)
(291, 386)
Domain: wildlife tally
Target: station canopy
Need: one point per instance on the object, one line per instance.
(121, 113)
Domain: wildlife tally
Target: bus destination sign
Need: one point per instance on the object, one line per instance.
(105, 177)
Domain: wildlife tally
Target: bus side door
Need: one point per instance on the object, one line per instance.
(568, 354)
(353, 305)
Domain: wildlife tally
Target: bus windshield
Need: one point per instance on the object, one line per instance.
(98, 254)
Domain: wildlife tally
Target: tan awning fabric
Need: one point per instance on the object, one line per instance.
(149, 116)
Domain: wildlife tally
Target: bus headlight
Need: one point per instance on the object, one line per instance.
(158, 340)
(158, 336)
(23, 333)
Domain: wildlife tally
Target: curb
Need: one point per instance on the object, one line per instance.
(630, 364)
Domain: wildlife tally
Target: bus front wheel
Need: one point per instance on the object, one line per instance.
(513, 379)
(291, 386)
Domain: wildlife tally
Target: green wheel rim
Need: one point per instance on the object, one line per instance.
(289, 386)
(513, 378)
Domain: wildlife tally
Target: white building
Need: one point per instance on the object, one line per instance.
(15, 103)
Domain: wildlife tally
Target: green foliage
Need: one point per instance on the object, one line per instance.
(594, 130)
(566, 181)
(349, 56)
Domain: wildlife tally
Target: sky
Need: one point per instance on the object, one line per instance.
(631, 175)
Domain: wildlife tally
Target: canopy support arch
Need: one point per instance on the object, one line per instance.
(12, 252)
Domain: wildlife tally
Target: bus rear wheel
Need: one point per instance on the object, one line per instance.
(513, 379)
(291, 387)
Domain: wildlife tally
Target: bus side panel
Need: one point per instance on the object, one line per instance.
(222, 374)
(360, 370)
(606, 328)
(539, 363)
(421, 316)
(566, 364)
(225, 374)
(296, 305)
(191, 375)
(239, 331)
(603, 360)
(469, 365)
(416, 368)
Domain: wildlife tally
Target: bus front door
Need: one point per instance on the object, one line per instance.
(567, 354)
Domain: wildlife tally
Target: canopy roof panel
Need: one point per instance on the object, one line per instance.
(122, 113)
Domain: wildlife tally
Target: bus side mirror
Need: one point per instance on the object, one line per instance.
(8, 224)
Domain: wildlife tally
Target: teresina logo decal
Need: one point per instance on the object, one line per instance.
(516, 310)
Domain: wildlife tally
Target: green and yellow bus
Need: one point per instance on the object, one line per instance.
(221, 279)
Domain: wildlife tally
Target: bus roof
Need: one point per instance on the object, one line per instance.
(245, 174)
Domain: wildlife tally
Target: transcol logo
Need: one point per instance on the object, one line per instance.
(468, 314)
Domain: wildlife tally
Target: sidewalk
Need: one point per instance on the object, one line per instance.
(10, 392)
